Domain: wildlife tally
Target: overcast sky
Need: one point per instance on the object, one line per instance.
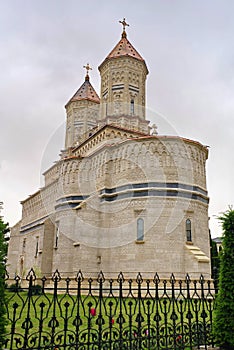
(189, 50)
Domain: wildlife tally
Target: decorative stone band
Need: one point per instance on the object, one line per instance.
(136, 190)
(33, 225)
(155, 184)
(154, 189)
(69, 202)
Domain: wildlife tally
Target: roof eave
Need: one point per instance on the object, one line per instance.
(122, 56)
(82, 99)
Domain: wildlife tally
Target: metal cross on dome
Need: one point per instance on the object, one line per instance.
(124, 24)
(88, 68)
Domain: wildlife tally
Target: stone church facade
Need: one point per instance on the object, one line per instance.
(121, 197)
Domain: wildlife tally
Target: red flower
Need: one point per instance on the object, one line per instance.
(179, 339)
(93, 312)
(112, 321)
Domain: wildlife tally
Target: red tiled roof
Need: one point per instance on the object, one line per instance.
(86, 92)
(124, 48)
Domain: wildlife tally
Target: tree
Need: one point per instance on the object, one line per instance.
(4, 229)
(215, 262)
(224, 306)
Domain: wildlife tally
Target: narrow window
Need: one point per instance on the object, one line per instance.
(56, 235)
(24, 245)
(132, 106)
(21, 266)
(188, 230)
(37, 247)
(140, 229)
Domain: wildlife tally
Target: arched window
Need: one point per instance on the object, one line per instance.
(188, 230)
(132, 106)
(140, 229)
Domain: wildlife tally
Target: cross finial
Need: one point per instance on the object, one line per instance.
(124, 24)
(154, 130)
(88, 68)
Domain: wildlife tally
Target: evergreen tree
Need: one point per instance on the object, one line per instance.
(224, 307)
(3, 252)
(215, 262)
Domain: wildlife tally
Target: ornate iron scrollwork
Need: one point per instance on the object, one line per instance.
(79, 313)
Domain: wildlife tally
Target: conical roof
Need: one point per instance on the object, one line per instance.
(122, 49)
(85, 92)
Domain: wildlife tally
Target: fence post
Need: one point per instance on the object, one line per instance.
(27, 324)
(139, 318)
(189, 315)
(100, 320)
(120, 319)
(15, 307)
(53, 323)
(157, 316)
(78, 322)
(203, 313)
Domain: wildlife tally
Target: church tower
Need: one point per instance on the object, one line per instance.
(82, 112)
(123, 78)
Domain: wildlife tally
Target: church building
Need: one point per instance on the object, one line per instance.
(121, 197)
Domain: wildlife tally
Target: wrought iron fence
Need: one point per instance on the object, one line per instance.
(80, 313)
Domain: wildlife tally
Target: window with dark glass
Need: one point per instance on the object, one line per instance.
(132, 106)
(56, 235)
(140, 229)
(188, 230)
(24, 245)
(37, 247)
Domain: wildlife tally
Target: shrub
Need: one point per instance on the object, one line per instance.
(15, 287)
(36, 290)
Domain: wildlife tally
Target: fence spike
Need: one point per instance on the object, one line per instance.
(139, 278)
(172, 279)
(79, 276)
(44, 279)
(68, 280)
(101, 277)
(187, 279)
(156, 278)
(202, 280)
(120, 277)
(17, 278)
(31, 275)
(56, 276)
